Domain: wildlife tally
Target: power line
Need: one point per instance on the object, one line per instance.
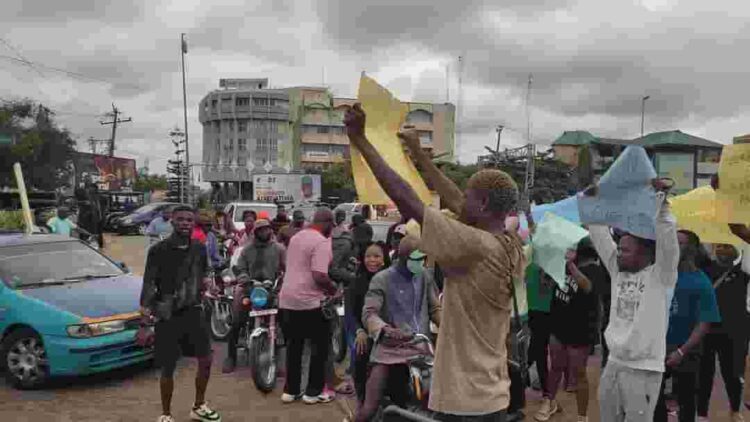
(114, 122)
(67, 72)
(18, 53)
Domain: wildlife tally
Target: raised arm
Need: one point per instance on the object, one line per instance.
(667, 246)
(402, 194)
(451, 196)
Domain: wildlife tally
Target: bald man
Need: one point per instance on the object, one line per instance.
(479, 257)
(306, 285)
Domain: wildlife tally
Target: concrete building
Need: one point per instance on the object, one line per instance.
(320, 137)
(246, 130)
(688, 160)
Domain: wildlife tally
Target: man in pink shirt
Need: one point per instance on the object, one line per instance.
(306, 285)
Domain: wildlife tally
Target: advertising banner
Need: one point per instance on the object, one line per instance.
(109, 173)
(286, 188)
(678, 167)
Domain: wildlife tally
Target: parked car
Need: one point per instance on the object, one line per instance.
(352, 208)
(235, 210)
(137, 221)
(65, 309)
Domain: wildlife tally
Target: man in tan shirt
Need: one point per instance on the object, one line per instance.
(479, 259)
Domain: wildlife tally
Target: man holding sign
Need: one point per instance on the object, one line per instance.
(480, 258)
(644, 273)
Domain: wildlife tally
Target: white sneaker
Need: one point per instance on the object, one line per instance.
(702, 419)
(288, 398)
(204, 413)
(737, 417)
(583, 418)
(320, 398)
(165, 418)
(546, 410)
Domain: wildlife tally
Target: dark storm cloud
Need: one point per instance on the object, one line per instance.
(691, 63)
(46, 10)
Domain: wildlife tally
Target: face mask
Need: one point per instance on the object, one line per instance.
(416, 267)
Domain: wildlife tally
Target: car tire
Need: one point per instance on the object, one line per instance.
(23, 359)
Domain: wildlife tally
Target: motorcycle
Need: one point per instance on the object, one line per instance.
(261, 336)
(420, 377)
(219, 299)
(334, 312)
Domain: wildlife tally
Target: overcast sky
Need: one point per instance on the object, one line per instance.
(591, 61)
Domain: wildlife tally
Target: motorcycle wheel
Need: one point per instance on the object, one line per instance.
(338, 341)
(263, 365)
(221, 314)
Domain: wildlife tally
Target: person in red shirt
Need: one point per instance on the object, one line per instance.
(248, 217)
(198, 233)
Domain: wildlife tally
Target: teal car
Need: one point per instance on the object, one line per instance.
(65, 309)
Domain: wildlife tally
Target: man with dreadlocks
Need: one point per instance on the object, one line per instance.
(479, 259)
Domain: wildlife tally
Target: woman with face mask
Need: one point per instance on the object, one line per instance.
(400, 303)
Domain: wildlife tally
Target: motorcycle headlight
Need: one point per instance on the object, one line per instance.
(95, 329)
(259, 297)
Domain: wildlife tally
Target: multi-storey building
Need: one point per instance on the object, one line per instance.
(246, 130)
(249, 128)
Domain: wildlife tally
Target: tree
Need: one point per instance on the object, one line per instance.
(44, 150)
(151, 182)
(337, 182)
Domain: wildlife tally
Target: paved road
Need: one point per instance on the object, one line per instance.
(132, 394)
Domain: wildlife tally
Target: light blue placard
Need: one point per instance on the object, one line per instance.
(566, 208)
(626, 200)
(554, 236)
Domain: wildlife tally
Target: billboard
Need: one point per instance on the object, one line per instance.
(109, 173)
(286, 187)
(679, 167)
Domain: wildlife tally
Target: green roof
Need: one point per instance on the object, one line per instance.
(575, 137)
(675, 137)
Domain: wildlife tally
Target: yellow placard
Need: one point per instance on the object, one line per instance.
(733, 194)
(385, 114)
(697, 211)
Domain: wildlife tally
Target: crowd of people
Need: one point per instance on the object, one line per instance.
(660, 309)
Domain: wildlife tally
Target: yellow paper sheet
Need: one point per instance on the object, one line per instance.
(385, 114)
(697, 211)
(734, 184)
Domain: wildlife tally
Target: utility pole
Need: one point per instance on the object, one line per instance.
(531, 148)
(115, 120)
(499, 131)
(643, 111)
(183, 49)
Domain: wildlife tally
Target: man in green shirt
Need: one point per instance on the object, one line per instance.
(61, 224)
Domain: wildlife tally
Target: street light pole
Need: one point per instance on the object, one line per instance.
(643, 111)
(183, 48)
(499, 131)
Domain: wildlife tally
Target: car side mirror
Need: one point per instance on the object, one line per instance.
(122, 266)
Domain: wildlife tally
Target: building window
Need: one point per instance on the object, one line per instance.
(425, 137)
(260, 102)
(242, 125)
(230, 123)
(322, 129)
(419, 116)
(217, 127)
(241, 145)
(226, 104)
(213, 104)
(243, 102)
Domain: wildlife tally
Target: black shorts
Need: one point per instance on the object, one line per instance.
(186, 334)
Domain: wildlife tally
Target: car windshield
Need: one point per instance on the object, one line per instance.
(146, 208)
(52, 263)
(270, 209)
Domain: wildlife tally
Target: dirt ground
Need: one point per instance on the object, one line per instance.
(131, 394)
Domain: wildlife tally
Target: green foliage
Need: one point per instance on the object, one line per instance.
(44, 150)
(11, 220)
(151, 182)
(337, 181)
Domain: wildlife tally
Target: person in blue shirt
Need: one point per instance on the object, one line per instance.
(61, 224)
(160, 227)
(691, 314)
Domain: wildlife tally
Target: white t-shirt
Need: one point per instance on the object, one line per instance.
(637, 330)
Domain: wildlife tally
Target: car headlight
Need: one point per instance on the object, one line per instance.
(96, 329)
(127, 220)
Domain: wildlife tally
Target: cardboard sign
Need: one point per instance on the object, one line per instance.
(733, 195)
(626, 200)
(385, 114)
(697, 211)
(554, 236)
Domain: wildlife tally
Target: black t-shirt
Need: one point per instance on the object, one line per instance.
(168, 266)
(574, 312)
(731, 296)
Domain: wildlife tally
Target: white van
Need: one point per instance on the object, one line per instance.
(235, 210)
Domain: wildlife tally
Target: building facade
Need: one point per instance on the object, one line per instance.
(249, 128)
(246, 130)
